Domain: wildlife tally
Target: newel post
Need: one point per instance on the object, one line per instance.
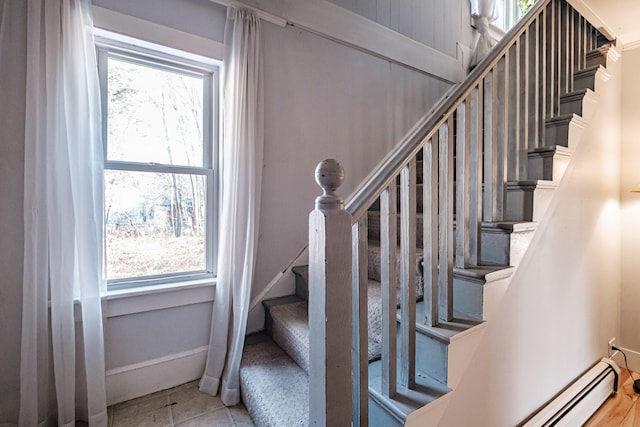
(329, 302)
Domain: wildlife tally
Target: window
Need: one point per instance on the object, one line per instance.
(510, 12)
(160, 138)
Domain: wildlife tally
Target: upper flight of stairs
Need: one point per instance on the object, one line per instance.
(275, 365)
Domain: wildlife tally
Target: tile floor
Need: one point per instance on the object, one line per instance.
(182, 406)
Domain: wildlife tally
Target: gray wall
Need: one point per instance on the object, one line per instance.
(322, 99)
(439, 24)
(12, 88)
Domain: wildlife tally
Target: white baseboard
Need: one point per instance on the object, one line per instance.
(633, 359)
(139, 379)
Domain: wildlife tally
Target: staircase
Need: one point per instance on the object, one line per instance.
(460, 199)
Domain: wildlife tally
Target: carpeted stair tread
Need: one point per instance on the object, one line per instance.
(290, 327)
(274, 388)
(291, 331)
(374, 266)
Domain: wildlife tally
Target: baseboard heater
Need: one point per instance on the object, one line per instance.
(577, 403)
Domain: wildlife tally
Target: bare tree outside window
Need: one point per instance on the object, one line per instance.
(155, 195)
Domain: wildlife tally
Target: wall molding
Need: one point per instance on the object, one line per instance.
(631, 45)
(334, 23)
(586, 11)
(140, 379)
(155, 33)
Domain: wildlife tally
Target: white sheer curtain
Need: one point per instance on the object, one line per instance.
(484, 12)
(62, 220)
(241, 177)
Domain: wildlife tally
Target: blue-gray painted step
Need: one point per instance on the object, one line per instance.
(432, 343)
(386, 411)
(469, 292)
(585, 78)
(548, 163)
(598, 56)
(571, 103)
(502, 243)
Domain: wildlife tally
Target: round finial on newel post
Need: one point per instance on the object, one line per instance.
(329, 176)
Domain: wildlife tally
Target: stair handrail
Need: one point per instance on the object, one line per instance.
(469, 167)
(391, 165)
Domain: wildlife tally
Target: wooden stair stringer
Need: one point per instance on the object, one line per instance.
(462, 348)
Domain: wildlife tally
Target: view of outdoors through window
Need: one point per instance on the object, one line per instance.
(155, 187)
(510, 11)
(525, 5)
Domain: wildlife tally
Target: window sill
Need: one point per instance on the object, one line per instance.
(124, 302)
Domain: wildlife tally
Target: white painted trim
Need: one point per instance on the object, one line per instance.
(630, 46)
(633, 359)
(139, 379)
(335, 23)
(340, 25)
(586, 11)
(300, 258)
(155, 33)
(139, 300)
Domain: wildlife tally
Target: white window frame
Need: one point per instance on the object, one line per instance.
(144, 53)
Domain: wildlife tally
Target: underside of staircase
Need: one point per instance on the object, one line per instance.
(274, 372)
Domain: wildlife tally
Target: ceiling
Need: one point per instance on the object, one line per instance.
(621, 18)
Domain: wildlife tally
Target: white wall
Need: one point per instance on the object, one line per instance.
(561, 307)
(630, 208)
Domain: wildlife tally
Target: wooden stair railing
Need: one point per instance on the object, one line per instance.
(479, 138)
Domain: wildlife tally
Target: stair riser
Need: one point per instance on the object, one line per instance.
(437, 353)
(599, 59)
(381, 415)
(584, 81)
(495, 248)
(502, 248)
(527, 204)
(557, 133)
(571, 105)
(289, 329)
(468, 300)
(596, 58)
(302, 286)
(548, 166)
(294, 348)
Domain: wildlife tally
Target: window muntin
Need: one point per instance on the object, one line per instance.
(159, 133)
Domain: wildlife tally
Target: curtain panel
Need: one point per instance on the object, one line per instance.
(241, 176)
(484, 12)
(62, 220)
